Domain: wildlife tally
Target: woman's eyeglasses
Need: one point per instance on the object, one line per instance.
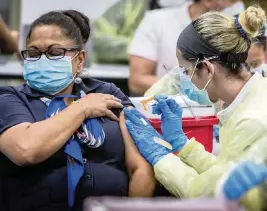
(52, 53)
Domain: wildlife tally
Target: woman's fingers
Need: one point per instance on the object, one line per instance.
(155, 109)
(174, 107)
(111, 97)
(99, 105)
(112, 116)
(161, 97)
(113, 104)
(117, 99)
(164, 107)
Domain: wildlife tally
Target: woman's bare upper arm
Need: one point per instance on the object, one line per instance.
(134, 159)
(13, 134)
(10, 142)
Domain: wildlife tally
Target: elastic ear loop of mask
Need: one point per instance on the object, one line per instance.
(75, 55)
(76, 74)
(195, 66)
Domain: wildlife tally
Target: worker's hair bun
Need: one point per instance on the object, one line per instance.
(252, 20)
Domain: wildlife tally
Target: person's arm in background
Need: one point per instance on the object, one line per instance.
(8, 44)
(114, 30)
(142, 75)
(143, 56)
(142, 178)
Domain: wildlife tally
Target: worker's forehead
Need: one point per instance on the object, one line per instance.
(182, 61)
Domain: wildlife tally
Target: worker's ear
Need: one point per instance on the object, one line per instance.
(209, 68)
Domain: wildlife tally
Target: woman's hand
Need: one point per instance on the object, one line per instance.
(99, 105)
(171, 117)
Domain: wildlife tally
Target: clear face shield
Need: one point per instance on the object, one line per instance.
(186, 89)
(170, 83)
(176, 77)
(165, 86)
(177, 84)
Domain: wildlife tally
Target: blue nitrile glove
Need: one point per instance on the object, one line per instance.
(171, 117)
(243, 178)
(155, 107)
(145, 136)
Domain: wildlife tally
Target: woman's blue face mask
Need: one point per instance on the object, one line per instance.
(193, 93)
(49, 76)
(190, 89)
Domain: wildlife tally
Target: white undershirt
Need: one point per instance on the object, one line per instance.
(157, 35)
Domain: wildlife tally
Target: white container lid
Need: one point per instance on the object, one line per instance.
(198, 110)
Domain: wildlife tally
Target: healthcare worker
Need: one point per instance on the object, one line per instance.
(114, 30)
(212, 51)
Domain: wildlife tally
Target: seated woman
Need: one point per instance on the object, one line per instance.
(51, 155)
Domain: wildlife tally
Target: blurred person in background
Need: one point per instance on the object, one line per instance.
(169, 3)
(234, 7)
(60, 136)
(154, 5)
(114, 30)
(221, 5)
(8, 40)
(256, 54)
(154, 42)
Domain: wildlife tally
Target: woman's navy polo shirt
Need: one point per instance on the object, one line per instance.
(44, 186)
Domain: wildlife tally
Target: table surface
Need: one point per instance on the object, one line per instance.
(15, 69)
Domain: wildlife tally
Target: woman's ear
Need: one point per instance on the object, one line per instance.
(209, 66)
(81, 58)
